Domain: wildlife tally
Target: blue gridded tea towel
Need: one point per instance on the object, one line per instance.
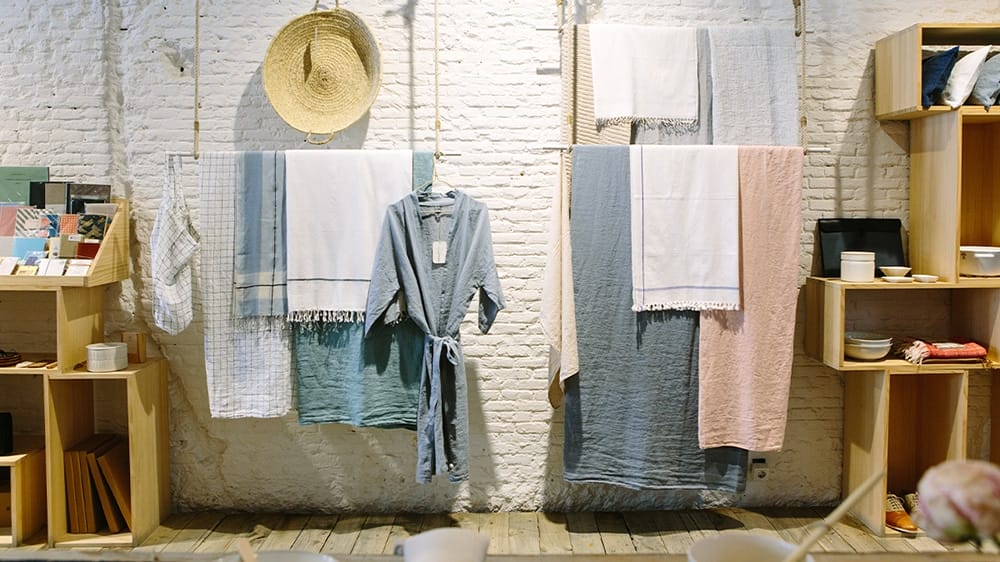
(247, 360)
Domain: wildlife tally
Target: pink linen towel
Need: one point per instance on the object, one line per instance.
(745, 356)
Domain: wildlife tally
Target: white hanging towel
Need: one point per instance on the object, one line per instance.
(645, 74)
(335, 203)
(685, 227)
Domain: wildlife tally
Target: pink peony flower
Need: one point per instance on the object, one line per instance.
(960, 501)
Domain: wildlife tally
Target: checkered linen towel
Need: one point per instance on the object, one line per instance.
(247, 360)
(173, 246)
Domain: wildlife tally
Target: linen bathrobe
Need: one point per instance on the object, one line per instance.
(430, 261)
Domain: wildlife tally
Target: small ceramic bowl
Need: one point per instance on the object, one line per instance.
(924, 278)
(894, 270)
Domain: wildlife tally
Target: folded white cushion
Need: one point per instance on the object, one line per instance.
(963, 77)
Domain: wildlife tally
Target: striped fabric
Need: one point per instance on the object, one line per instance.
(260, 270)
(247, 361)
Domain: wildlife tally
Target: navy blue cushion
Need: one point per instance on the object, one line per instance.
(936, 69)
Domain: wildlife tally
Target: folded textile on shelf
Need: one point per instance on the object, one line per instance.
(919, 351)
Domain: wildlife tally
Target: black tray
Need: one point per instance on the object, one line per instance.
(882, 236)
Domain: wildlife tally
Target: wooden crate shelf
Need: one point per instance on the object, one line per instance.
(898, 76)
(27, 489)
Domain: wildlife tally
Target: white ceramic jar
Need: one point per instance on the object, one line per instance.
(857, 267)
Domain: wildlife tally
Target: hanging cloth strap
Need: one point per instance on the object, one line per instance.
(431, 455)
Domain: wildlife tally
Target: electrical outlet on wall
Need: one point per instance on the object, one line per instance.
(759, 469)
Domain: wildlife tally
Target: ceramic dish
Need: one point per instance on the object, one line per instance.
(868, 338)
(867, 351)
(924, 278)
(897, 279)
(894, 270)
(979, 260)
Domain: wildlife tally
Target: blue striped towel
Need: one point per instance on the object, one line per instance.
(260, 273)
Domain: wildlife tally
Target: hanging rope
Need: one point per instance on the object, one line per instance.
(437, 95)
(800, 31)
(197, 65)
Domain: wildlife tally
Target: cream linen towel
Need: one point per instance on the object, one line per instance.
(745, 357)
(685, 231)
(578, 94)
(558, 316)
(335, 203)
(645, 74)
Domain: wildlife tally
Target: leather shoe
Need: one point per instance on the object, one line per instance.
(896, 516)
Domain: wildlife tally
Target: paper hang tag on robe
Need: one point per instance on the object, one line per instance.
(439, 252)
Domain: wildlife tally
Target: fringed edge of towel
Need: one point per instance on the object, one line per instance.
(257, 323)
(916, 352)
(685, 305)
(326, 316)
(670, 125)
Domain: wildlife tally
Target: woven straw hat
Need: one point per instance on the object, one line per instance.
(322, 71)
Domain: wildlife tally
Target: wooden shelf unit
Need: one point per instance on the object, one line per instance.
(974, 312)
(900, 417)
(902, 422)
(954, 191)
(898, 75)
(70, 419)
(68, 397)
(881, 429)
(27, 489)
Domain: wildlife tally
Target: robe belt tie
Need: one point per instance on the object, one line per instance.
(436, 348)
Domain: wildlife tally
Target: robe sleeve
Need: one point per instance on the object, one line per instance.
(490, 294)
(384, 287)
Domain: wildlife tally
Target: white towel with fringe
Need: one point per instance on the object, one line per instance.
(685, 227)
(335, 203)
(645, 74)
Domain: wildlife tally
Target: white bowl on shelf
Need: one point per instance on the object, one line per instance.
(867, 351)
(925, 278)
(894, 270)
(897, 279)
(867, 338)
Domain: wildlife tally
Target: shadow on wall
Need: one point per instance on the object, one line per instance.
(482, 458)
(258, 127)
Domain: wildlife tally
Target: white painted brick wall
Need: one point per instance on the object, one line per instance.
(98, 89)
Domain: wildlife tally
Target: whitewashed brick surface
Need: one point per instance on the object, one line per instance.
(98, 89)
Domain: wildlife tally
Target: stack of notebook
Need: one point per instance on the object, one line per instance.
(98, 493)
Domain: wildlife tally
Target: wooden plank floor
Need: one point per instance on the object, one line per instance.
(521, 533)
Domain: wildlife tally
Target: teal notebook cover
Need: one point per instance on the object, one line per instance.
(15, 182)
